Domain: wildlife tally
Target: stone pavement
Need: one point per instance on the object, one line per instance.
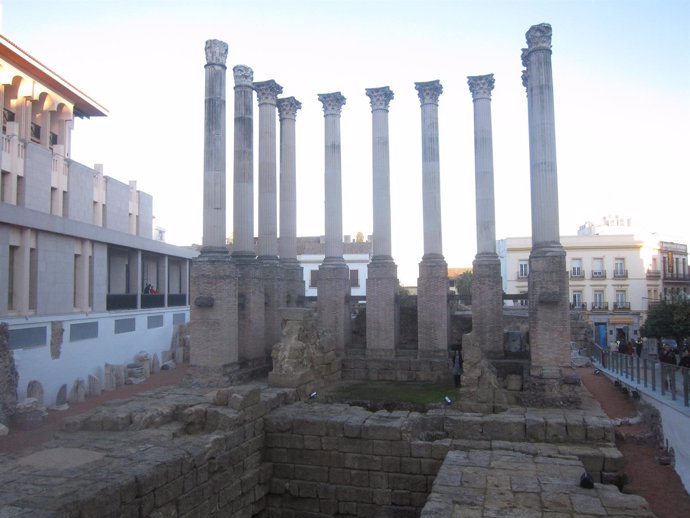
(478, 484)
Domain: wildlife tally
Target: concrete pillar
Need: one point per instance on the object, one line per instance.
(213, 239)
(549, 311)
(287, 242)
(432, 285)
(213, 326)
(243, 163)
(487, 291)
(333, 283)
(382, 283)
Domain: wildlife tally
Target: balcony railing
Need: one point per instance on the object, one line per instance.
(156, 300)
(653, 274)
(577, 273)
(177, 299)
(116, 301)
(581, 306)
(598, 274)
(676, 276)
(621, 306)
(600, 306)
(620, 274)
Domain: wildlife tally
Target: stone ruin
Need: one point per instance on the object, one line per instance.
(509, 443)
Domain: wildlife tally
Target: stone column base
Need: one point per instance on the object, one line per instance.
(213, 325)
(487, 305)
(333, 306)
(432, 309)
(382, 310)
(251, 314)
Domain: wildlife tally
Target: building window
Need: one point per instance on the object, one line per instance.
(619, 270)
(598, 302)
(523, 269)
(11, 300)
(576, 268)
(354, 278)
(523, 301)
(577, 299)
(313, 278)
(598, 268)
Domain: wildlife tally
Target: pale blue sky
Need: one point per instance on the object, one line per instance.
(621, 85)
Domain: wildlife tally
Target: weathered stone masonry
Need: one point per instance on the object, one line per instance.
(252, 451)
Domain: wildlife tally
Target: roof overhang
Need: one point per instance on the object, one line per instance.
(84, 106)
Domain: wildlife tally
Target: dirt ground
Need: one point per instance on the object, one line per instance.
(658, 483)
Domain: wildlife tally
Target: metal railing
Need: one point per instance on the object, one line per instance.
(665, 378)
(621, 306)
(600, 306)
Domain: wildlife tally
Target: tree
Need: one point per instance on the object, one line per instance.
(670, 318)
(463, 286)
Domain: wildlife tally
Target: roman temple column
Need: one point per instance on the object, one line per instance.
(549, 311)
(250, 283)
(487, 290)
(243, 163)
(333, 282)
(382, 282)
(213, 289)
(267, 95)
(287, 242)
(432, 285)
(213, 239)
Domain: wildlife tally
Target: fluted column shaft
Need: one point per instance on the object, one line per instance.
(332, 106)
(287, 243)
(213, 239)
(542, 136)
(429, 93)
(481, 87)
(380, 99)
(243, 162)
(267, 94)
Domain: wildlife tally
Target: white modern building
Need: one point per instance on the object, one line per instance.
(356, 253)
(76, 247)
(615, 273)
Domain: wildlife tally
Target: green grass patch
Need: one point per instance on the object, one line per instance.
(389, 391)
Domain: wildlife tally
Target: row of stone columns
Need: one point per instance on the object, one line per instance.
(261, 285)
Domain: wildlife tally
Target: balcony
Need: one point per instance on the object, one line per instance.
(676, 276)
(653, 275)
(577, 273)
(582, 306)
(600, 306)
(598, 274)
(620, 274)
(621, 306)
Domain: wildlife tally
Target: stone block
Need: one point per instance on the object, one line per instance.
(576, 428)
(503, 427)
(359, 461)
(420, 449)
(463, 426)
(556, 428)
(535, 428)
(613, 459)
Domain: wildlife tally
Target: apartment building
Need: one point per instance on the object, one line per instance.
(76, 246)
(615, 274)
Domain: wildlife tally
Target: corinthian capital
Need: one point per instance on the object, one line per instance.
(267, 91)
(539, 37)
(379, 97)
(332, 103)
(429, 91)
(287, 107)
(244, 76)
(216, 52)
(481, 86)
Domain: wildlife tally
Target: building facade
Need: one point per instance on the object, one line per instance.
(76, 247)
(615, 274)
(356, 253)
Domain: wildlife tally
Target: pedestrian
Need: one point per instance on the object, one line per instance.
(457, 369)
(667, 358)
(685, 360)
(638, 347)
